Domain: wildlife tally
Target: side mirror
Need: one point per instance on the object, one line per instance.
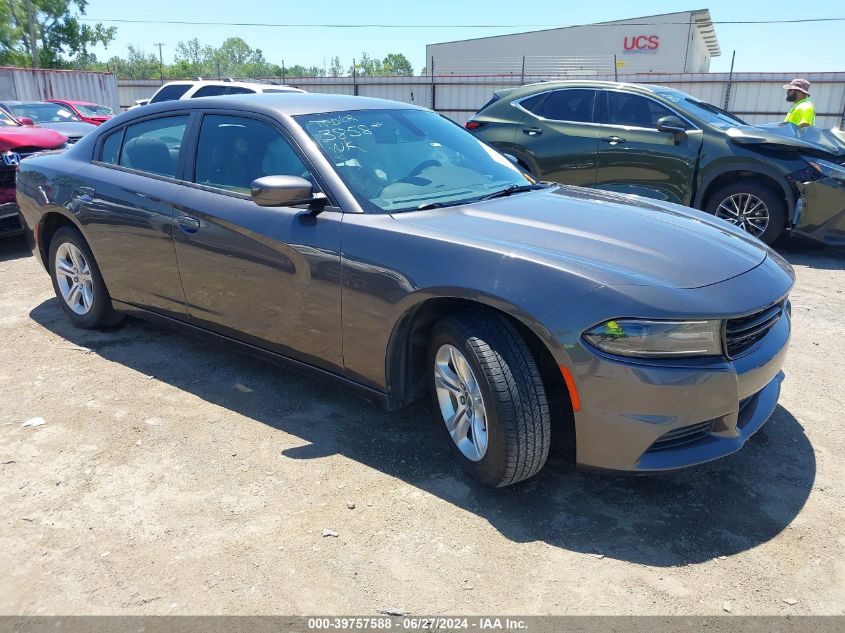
(671, 125)
(284, 191)
(25, 120)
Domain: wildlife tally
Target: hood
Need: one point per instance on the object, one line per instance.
(27, 136)
(812, 140)
(70, 128)
(611, 238)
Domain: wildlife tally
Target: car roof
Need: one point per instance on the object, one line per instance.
(292, 104)
(596, 83)
(71, 101)
(255, 85)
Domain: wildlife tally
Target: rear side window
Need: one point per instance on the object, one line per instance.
(110, 150)
(153, 146)
(233, 151)
(170, 93)
(634, 110)
(567, 105)
(216, 91)
(532, 104)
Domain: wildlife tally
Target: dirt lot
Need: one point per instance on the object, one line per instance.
(172, 477)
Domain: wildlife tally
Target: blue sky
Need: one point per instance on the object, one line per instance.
(759, 48)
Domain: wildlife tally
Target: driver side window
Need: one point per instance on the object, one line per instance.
(233, 151)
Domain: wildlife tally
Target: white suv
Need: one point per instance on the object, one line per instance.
(174, 90)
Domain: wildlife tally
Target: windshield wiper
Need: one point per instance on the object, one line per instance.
(439, 205)
(512, 189)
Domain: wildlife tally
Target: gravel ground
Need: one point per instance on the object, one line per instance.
(173, 477)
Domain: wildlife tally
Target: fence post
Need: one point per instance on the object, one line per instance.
(354, 78)
(842, 120)
(730, 82)
(433, 87)
(522, 76)
(284, 73)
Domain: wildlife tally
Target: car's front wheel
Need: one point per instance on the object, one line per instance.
(77, 281)
(488, 390)
(753, 207)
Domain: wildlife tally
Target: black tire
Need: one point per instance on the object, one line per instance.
(100, 314)
(517, 411)
(774, 203)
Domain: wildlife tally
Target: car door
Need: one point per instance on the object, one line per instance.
(635, 157)
(558, 135)
(124, 201)
(269, 276)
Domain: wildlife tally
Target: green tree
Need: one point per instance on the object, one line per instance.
(335, 70)
(397, 65)
(60, 36)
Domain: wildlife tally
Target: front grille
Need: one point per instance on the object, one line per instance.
(7, 176)
(682, 436)
(742, 333)
(10, 223)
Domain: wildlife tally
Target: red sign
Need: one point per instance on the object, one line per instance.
(642, 43)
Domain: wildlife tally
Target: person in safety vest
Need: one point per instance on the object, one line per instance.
(802, 113)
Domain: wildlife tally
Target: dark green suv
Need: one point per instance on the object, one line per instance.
(662, 143)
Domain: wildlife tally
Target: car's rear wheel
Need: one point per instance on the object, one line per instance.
(490, 397)
(77, 281)
(753, 207)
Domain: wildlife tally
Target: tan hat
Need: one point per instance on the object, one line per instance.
(798, 84)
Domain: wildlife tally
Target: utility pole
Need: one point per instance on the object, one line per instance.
(730, 83)
(160, 62)
(33, 49)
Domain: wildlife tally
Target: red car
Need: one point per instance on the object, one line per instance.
(17, 142)
(87, 111)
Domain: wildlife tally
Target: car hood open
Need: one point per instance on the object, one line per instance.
(811, 140)
(611, 238)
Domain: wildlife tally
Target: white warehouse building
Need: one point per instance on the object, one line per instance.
(669, 43)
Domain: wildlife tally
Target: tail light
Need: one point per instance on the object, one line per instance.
(473, 125)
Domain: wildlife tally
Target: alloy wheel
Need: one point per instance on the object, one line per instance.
(461, 402)
(746, 211)
(73, 276)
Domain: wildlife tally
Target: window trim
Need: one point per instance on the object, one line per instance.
(189, 173)
(517, 103)
(180, 163)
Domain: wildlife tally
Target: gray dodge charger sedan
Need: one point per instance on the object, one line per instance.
(382, 246)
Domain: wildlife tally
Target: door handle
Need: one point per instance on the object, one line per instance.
(188, 224)
(613, 140)
(532, 131)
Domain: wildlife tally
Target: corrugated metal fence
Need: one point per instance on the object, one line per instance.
(756, 97)
(25, 84)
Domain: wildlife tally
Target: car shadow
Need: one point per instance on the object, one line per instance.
(13, 248)
(670, 519)
(802, 251)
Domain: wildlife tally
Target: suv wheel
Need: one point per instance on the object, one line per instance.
(77, 281)
(490, 396)
(752, 207)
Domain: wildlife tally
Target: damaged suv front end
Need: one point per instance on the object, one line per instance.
(820, 186)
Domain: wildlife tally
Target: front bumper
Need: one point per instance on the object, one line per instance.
(647, 417)
(821, 213)
(10, 223)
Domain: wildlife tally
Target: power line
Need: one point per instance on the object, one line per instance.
(455, 26)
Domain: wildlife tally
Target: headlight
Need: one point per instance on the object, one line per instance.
(654, 339)
(828, 169)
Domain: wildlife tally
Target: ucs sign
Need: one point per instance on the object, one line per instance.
(642, 43)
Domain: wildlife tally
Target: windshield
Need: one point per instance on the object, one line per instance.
(94, 110)
(6, 120)
(703, 110)
(44, 112)
(401, 160)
